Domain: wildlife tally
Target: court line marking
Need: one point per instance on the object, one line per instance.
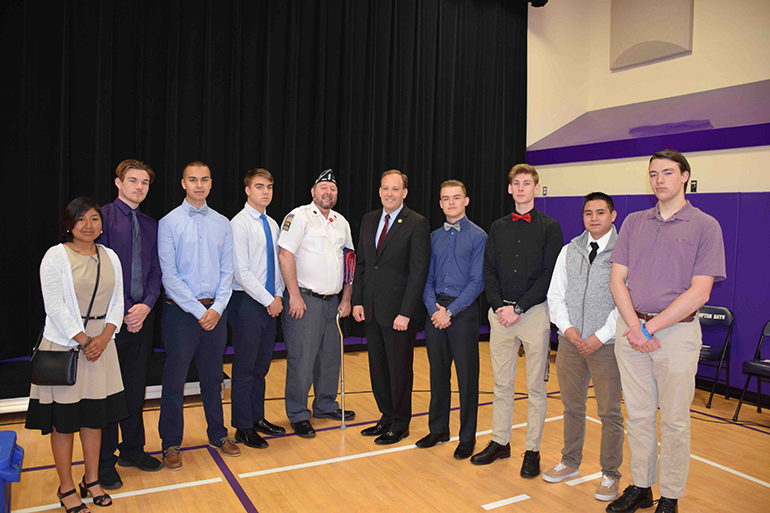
(585, 479)
(128, 494)
(505, 502)
(319, 463)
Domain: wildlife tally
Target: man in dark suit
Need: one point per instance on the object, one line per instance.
(393, 257)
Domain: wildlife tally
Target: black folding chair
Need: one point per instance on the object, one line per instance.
(716, 350)
(756, 367)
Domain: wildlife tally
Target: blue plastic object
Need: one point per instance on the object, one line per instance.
(11, 456)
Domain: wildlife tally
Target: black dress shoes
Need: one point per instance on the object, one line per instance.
(530, 467)
(303, 428)
(632, 499)
(250, 438)
(492, 452)
(336, 415)
(432, 439)
(667, 506)
(465, 449)
(378, 429)
(391, 437)
(263, 426)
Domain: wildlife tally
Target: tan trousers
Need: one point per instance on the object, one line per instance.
(575, 371)
(665, 378)
(533, 330)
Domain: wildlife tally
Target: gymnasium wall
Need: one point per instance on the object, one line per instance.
(568, 66)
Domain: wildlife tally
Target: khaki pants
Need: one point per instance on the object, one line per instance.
(665, 377)
(533, 331)
(575, 371)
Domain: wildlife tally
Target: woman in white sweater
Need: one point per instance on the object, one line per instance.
(68, 275)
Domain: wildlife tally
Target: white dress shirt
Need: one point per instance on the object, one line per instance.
(557, 300)
(250, 255)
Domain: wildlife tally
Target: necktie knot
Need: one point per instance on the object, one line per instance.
(449, 226)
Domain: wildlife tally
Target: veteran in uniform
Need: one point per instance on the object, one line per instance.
(311, 253)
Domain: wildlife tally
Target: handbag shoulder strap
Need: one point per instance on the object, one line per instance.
(96, 286)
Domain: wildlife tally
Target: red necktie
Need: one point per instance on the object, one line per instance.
(525, 217)
(383, 233)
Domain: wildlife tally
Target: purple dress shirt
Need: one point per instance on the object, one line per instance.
(117, 236)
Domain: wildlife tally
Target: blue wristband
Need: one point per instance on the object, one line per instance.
(645, 332)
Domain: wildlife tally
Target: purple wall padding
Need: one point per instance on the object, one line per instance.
(745, 222)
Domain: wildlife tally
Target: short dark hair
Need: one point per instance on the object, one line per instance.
(252, 173)
(124, 166)
(453, 183)
(396, 172)
(75, 210)
(523, 169)
(594, 196)
(676, 157)
(195, 163)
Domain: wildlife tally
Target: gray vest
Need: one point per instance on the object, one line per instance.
(589, 300)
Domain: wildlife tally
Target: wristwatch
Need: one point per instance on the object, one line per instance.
(448, 313)
(517, 309)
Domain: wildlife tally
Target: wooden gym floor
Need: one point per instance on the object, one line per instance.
(344, 471)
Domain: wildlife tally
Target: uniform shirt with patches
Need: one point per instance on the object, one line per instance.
(318, 246)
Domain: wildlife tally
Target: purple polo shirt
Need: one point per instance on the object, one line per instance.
(117, 236)
(662, 256)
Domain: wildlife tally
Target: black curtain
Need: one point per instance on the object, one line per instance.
(435, 88)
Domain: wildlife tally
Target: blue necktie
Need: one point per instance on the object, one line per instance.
(136, 259)
(270, 285)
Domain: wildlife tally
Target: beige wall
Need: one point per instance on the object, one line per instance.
(569, 74)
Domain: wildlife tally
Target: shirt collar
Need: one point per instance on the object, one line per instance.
(253, 212)
(124, 207)
(393, 215)
(603, 241)
(186, 206)
(683, 214)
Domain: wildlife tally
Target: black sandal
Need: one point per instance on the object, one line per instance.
(99, 500)
(74, 509)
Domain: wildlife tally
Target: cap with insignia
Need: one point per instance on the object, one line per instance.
(326, 176)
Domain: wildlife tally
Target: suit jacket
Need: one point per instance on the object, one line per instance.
(391, 283)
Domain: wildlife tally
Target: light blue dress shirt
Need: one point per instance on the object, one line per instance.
(196, 257)
(393, 215)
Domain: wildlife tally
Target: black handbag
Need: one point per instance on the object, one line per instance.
(60, 368)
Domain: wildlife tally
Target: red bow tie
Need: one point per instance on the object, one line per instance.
(525, 217)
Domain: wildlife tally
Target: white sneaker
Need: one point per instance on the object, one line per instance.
(607, 490)
(559, 473)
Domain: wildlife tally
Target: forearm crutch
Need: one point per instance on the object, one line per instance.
(342, 371)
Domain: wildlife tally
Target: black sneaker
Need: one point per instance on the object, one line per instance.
(110, 479)
(144, 462)
(632, 499)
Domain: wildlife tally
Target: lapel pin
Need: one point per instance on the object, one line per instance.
(400, 221)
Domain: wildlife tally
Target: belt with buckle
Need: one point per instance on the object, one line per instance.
(649, 317)
(206, 301)
(308, 292)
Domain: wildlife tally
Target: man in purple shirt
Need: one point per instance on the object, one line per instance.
(133, 236)
(665, 261)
